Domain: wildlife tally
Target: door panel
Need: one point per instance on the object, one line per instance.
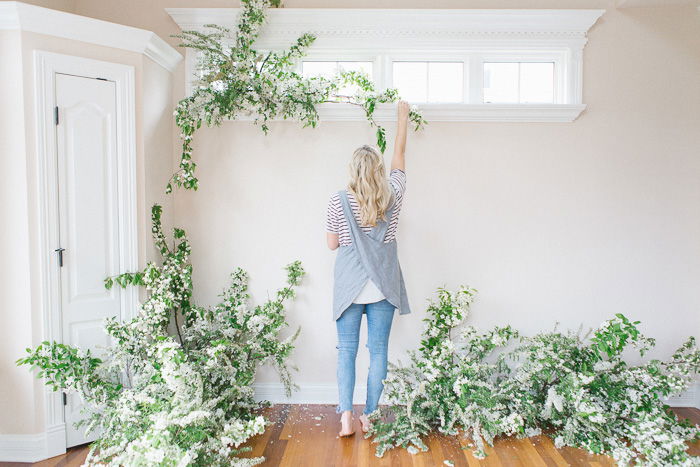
(88, 218)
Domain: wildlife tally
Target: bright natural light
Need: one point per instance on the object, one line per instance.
(429, 81)
(328, 69)
(519, 82)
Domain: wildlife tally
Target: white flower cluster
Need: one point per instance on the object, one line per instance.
(582, 391)
(165, 400)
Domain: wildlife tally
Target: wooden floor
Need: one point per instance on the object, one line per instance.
(306, 435)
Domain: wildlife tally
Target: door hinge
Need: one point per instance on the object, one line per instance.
(65, 399)
(60, 256)
(55, 115)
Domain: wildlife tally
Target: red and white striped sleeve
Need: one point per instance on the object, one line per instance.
(332, 214)
(397, 180)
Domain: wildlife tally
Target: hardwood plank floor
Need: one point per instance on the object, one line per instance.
(306, 435)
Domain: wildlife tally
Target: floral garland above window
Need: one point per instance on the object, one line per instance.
(237, 80)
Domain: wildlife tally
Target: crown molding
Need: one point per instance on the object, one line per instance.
(414, 27)
(31, 18)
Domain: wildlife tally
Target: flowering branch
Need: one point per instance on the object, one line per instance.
(582, 391)
(237, 80)
(190, 400)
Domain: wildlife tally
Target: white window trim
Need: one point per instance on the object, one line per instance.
(472, 36)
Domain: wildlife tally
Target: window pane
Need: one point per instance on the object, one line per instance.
(324, 69)
(445, 82)
(429, 81)
(520, 82)
(411, 79)
(330, 69)
(501, 82)
(537, 82)
(364, 67)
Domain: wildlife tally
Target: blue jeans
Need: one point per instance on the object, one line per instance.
(379, 317)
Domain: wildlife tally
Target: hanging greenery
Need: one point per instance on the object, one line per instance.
(579, 390)
(238, 80)
(164, 400)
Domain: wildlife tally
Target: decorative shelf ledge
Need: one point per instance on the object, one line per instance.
(542, 113)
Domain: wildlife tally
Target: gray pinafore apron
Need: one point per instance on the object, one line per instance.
(367, 258)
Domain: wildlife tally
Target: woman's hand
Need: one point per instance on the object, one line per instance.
(399, 159)
(403, 109)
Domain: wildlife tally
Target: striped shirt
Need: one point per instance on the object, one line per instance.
(337, 224)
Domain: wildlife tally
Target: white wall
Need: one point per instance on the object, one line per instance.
(551, 222)
(17, 388)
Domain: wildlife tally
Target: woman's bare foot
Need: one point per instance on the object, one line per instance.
(366, 424)
(346, 424)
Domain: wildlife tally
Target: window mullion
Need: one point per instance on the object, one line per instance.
(382, 65)
(520, 80)
(476, 79)
(427, 82)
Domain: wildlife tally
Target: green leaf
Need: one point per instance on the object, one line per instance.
(381, 138)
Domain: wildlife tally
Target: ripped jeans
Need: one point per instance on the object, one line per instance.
(379, 318)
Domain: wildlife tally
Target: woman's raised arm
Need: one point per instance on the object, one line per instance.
(399, 159)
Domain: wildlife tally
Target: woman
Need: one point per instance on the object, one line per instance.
(362, 221)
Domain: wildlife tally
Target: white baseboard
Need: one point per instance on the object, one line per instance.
(689, 398)
(33, 447)
(307, 394)
(328, 394)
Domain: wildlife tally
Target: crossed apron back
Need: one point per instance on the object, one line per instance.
(367, 258)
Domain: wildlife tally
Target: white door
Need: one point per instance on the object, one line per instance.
(86, 136)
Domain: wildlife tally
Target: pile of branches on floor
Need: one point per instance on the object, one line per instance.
(180, 398)
(580, 390)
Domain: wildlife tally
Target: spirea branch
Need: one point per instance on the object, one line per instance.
(237, 80)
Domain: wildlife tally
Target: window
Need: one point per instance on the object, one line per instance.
(455, 64)
(519, 82)
(328, 69)
(429, 81)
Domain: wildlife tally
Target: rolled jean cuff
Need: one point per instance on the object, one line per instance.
(339, 409)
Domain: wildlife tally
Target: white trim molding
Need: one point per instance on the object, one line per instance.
(469, 36)
(689, 398)
(31, 18)
(461, 112)
(33, 447)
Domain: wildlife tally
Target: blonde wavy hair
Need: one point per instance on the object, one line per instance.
(369, 185)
